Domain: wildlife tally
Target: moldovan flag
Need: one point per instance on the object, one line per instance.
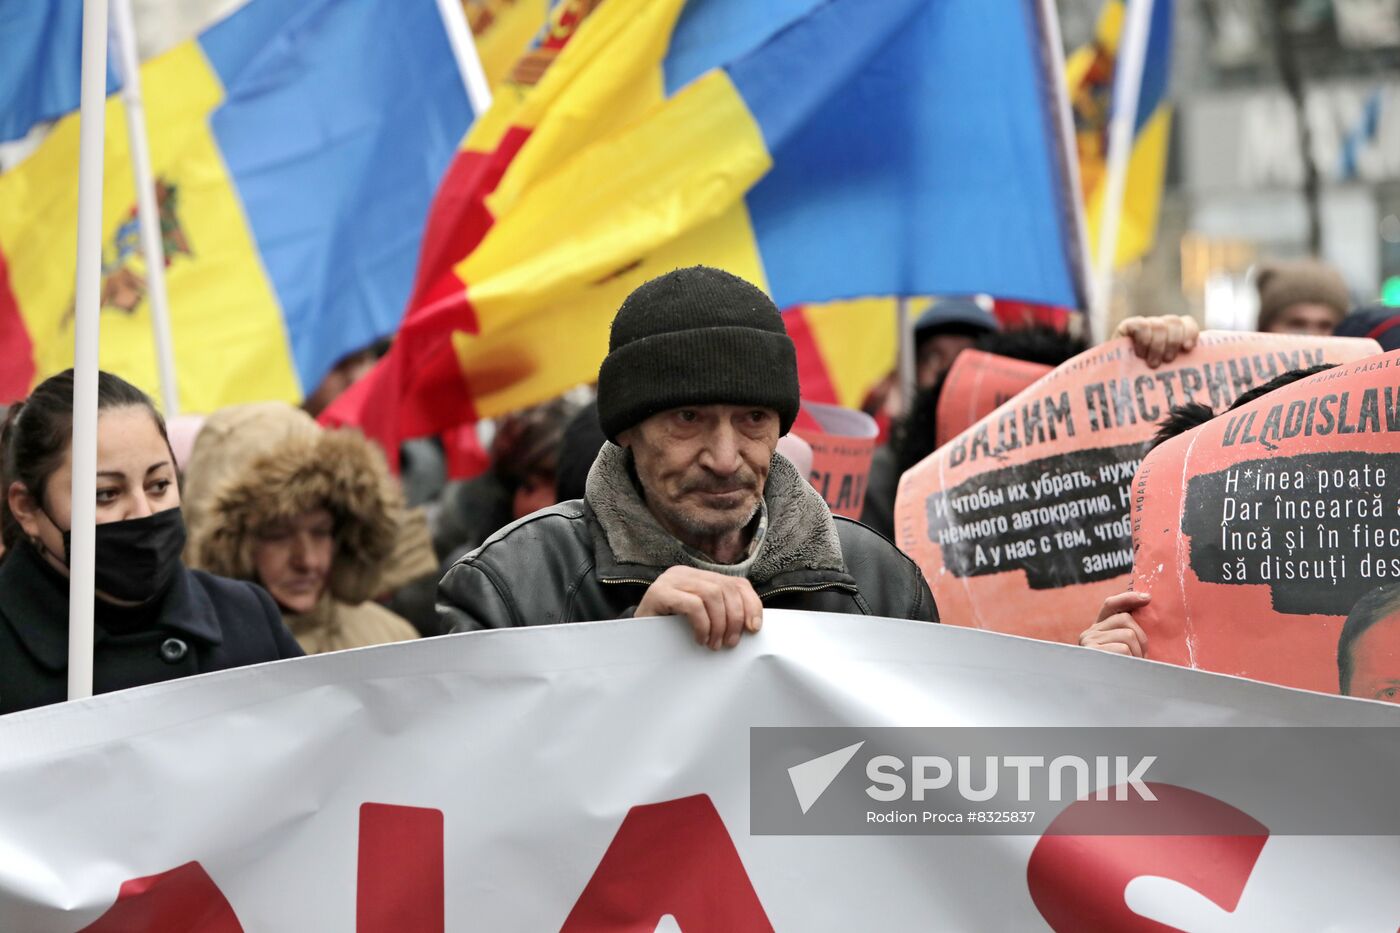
(296, 148)
(824, 149)
(1091, 74)
(503, 30)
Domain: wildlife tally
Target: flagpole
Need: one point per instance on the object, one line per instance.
(1069, 154)
(905, 350)
(459, 36)
(147, 203)
(1127, 85)
(87, 297)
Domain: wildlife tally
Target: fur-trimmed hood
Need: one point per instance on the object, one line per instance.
(230, 439)
(801, 532)
(338, 470)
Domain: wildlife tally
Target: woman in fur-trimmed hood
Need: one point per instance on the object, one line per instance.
(312, 519)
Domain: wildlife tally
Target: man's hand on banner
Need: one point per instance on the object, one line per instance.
(1116, 630)
(1161, 339)
(719, 608)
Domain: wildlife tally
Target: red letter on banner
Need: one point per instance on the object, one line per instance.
(400, 884)
(182, 900)
(671, 858)
(1078, 880)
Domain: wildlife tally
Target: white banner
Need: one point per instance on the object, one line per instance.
(596, 776)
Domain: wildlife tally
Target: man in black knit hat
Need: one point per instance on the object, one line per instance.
(688, 510)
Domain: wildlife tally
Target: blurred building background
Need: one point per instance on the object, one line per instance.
(1286, 142)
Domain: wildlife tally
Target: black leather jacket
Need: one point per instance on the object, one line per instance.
(593, 558)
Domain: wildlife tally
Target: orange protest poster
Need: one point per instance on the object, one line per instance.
(1265, 533)
(843, 444)
(977, 384)
(1021, 522)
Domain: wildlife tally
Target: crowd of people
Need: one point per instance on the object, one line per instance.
(256, 534)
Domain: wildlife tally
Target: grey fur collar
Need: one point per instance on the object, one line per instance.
(801, 532)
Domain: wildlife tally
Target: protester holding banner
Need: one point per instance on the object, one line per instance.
(688, 509)
(973, 387)
(1268, 537)
(1115, 630)
(313, 519)
(924, 425)
(155, 619)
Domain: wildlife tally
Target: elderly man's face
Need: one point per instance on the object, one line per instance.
(703, 468)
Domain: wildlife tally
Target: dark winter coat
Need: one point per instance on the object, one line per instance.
(594, 558)
(203, 623)
(880, 491)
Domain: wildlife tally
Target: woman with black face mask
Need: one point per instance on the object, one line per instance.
(155, 619)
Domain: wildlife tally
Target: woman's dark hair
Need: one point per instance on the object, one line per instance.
(38, 432)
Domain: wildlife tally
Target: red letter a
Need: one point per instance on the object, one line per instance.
(671, 858)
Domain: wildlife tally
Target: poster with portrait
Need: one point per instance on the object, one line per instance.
(1267, 533)
(1021, 522)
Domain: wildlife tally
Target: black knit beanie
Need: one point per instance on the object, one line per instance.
(696, 336)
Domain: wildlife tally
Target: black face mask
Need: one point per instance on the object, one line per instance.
(136, 558)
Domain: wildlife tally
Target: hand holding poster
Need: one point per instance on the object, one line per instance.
(1020, 523)
(843, 444)
(1257, 534)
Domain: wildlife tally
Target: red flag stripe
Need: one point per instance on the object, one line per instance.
(16, 349)
(812, 373)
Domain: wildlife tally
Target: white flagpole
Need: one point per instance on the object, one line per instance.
(87, 300)
(1127, 85)
(459, 35)
(147, 206)
(1069, 149)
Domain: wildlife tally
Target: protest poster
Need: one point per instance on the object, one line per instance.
(598, 776)
(1258, 533)
(1021, 524)
(977, 384)
(843, 445)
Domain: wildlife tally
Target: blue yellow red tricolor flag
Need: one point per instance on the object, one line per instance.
(1090, 72)
(296, 148)
(825, 149)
